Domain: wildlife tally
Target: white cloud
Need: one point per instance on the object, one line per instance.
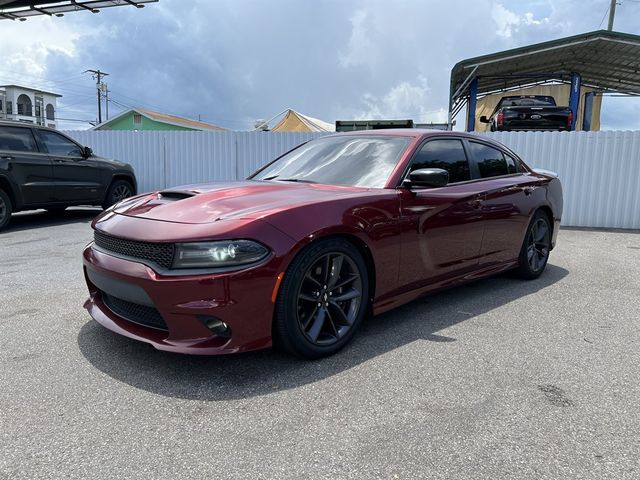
(403, 101)
(360, 47)
(26, 46)
(508, 23)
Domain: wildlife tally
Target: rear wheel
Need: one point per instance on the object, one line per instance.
(119, 190)
(5, 209)
(534, 253)
(322, 300)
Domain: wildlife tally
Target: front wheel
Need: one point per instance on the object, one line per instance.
(322, 300)
(5, 209)
(119, 190)
(535, 248)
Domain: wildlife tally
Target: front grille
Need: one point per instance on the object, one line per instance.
(159, 253)
(147, 316)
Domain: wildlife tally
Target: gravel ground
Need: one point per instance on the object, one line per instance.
(498, 379)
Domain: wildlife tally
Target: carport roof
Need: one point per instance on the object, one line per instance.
(605, 59)
(22, 9)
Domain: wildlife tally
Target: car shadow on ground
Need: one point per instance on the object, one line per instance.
(259, 373)
(41, 218)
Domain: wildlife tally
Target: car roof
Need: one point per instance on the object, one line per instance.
(425, 133)
(11, 123)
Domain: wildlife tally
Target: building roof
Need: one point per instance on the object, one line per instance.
(22, 9)
(604, 59)
(37, 90)
(163, 118)
(293, 121)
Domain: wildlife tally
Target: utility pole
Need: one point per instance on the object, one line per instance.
(612, 13)
(97, 74)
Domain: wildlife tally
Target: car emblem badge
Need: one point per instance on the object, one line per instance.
(536, 117)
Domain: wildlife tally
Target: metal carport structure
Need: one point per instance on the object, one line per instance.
(608, 61)
(23, 9)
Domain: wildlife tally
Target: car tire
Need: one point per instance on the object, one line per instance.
(118, 190)
(322, 300)
(5, 209)
(536, 247)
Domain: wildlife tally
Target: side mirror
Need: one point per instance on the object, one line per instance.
(484, 119)
(427, 177)
(87, 152)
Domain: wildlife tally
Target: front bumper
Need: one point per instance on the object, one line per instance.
(241, 299)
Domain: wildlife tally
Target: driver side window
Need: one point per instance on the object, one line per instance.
(56, 144)
(446, 154)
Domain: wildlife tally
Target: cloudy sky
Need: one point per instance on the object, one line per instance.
(233, 61)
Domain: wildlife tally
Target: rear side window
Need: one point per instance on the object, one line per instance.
(491, 161)
(446, 154)
(58, 145)
(17, 139)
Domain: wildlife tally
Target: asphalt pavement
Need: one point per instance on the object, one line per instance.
(502, 378)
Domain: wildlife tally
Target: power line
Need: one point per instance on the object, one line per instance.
(603, 17)
(74, 120)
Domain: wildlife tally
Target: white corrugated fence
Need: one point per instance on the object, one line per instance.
(600, 171)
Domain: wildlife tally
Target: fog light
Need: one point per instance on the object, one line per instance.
(216, 325)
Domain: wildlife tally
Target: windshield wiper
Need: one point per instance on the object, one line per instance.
(300, 180)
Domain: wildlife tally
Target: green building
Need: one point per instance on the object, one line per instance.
(143, 119)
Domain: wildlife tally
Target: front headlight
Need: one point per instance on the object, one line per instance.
(227, 253)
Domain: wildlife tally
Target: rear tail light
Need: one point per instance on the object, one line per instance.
(500, 119)
(569, 120)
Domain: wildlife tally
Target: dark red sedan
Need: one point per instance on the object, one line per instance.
(298, 254)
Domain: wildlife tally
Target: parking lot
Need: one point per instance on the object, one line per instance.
(499, 379)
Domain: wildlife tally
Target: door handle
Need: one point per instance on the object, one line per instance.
(476, 203)
(7, 157)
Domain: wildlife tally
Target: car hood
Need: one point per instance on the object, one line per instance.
(219, 201)
(111, 162)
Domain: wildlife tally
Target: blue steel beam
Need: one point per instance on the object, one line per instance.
(471, 111)
(574, 97)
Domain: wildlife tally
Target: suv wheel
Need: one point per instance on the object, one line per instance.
(119, 190)
(5, 209)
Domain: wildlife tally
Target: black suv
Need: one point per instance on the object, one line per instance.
(42, 168)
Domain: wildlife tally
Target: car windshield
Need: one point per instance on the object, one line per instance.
(357, 161)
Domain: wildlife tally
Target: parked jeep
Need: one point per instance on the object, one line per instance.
(43, 168)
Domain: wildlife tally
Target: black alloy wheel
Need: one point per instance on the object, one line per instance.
(323, 299)
(329, 298)
(119, 190)
(537, 245)
(5, 209)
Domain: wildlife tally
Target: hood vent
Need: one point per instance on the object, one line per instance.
(175, 195)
